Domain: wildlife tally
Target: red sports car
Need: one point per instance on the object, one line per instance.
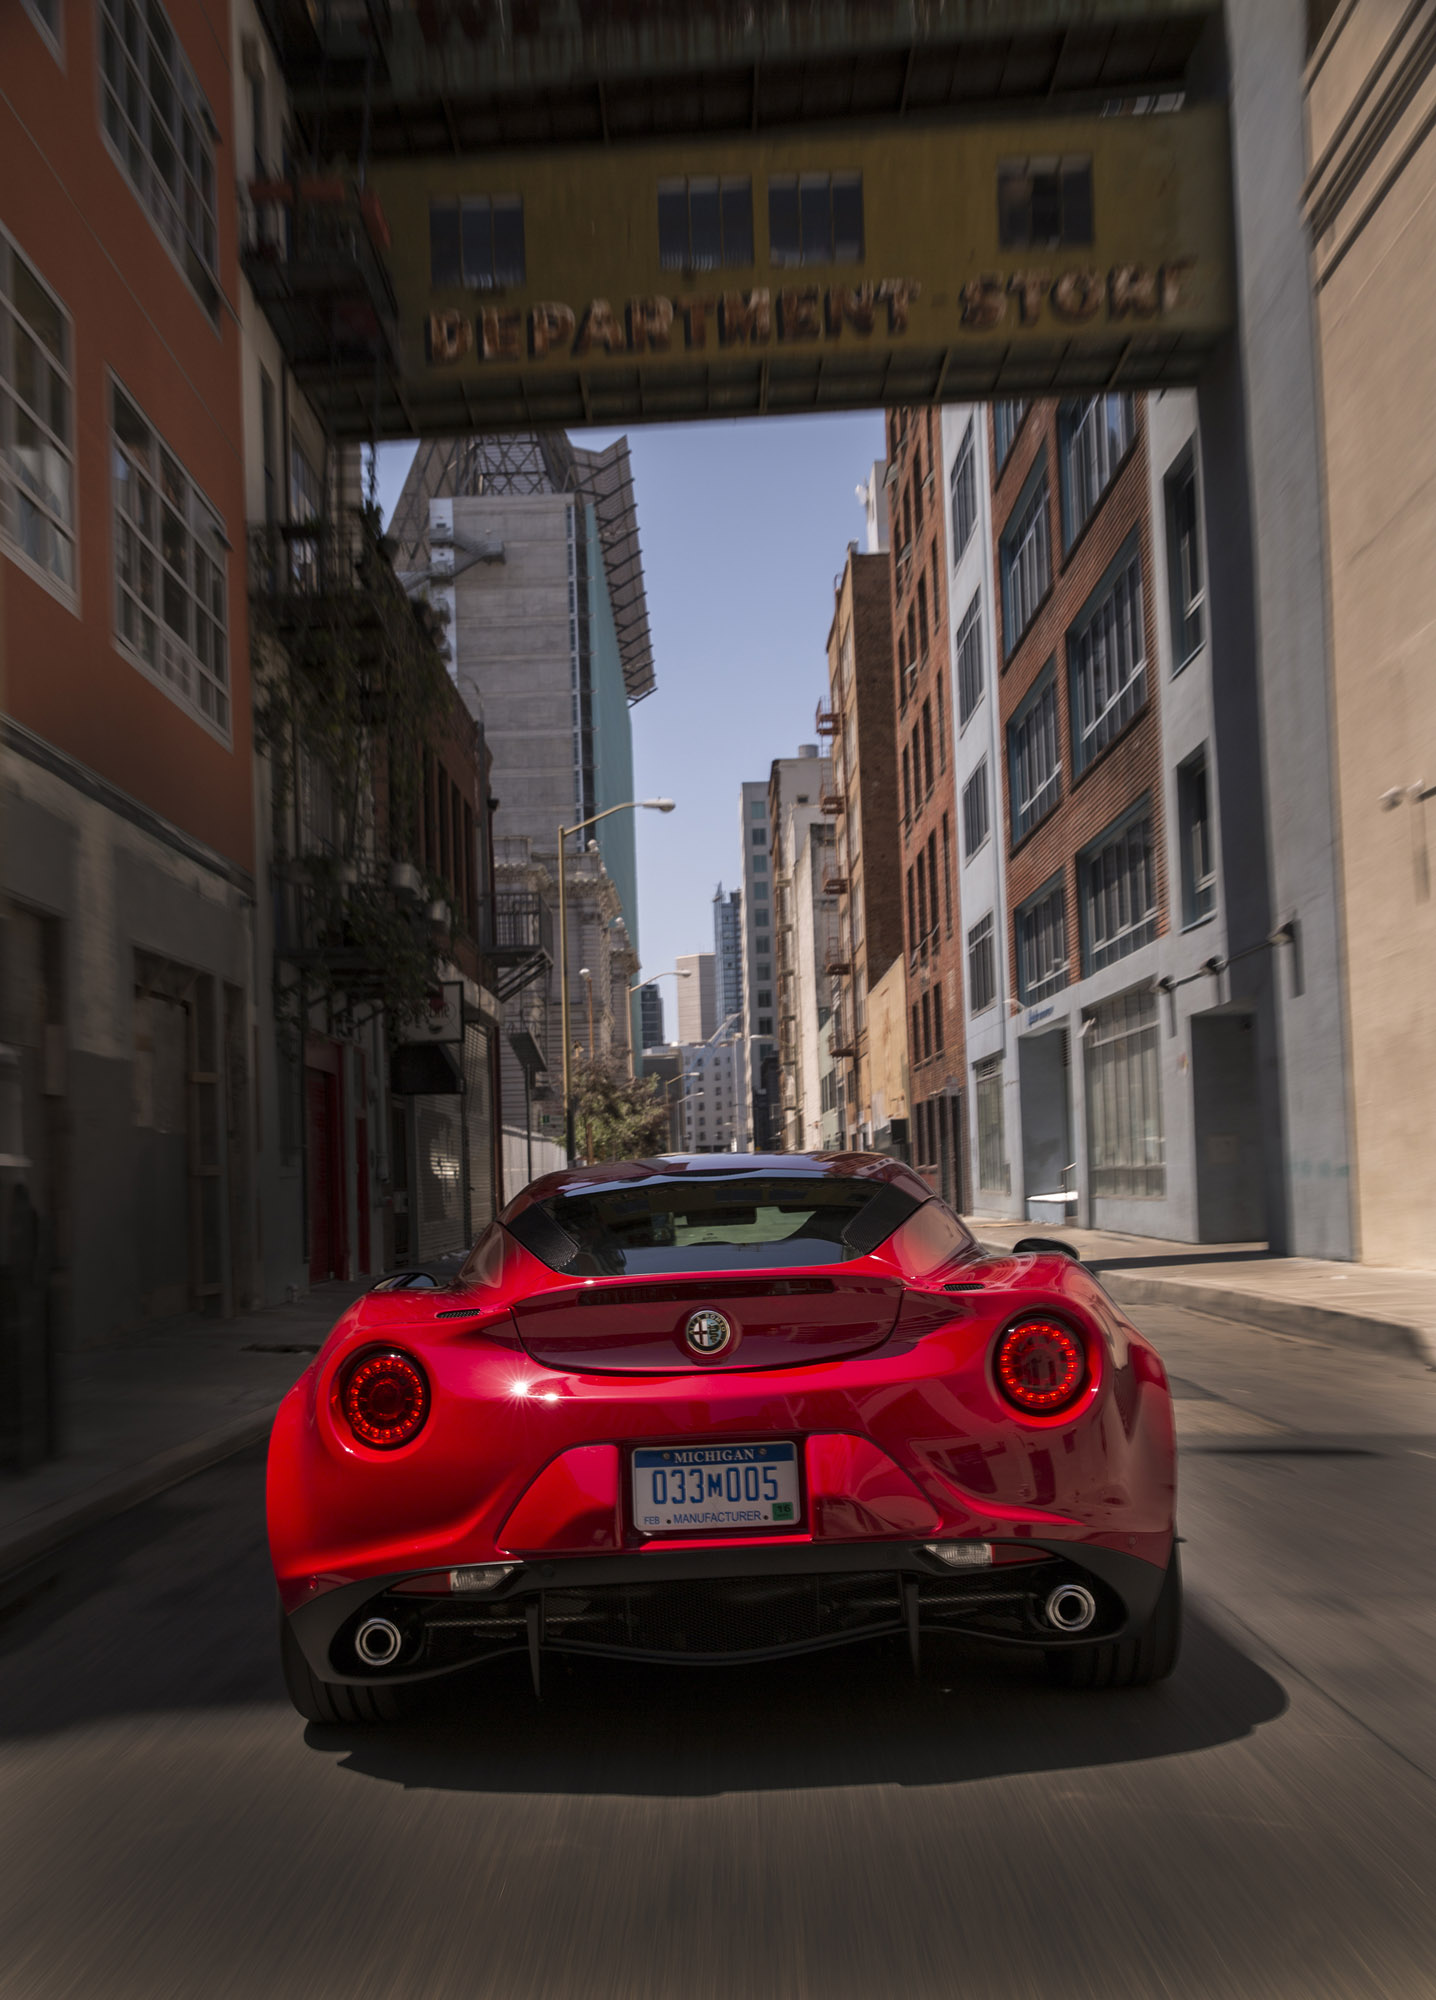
(721, 1408)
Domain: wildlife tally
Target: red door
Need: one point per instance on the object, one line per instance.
(325, 1177)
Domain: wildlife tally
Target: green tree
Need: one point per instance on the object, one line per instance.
(617, 1116)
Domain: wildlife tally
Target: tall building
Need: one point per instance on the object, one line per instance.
(128, 863)
(697, 997)
(1119, 1085)
(928, 802)
(866, 878)
(759, 1051)
(531, 546)
(650, 1016)
(728, 951)
(799, 802)
(712, 1088)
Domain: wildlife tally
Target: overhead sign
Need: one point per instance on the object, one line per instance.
(839, 266)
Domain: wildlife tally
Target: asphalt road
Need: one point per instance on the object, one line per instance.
(1262, 1825)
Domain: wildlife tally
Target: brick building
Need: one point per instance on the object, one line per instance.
(918, 568)
(858, 718)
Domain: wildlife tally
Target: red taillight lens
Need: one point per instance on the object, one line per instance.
(1040, 1365)
(385, 1400)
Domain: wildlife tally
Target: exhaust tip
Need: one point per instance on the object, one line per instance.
(1071, 1607)
(377, 1642)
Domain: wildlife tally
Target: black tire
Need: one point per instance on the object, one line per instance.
(332, 1701)
(1147, 1656)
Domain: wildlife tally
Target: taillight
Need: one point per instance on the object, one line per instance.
(1040, 1366)
(385, 1399)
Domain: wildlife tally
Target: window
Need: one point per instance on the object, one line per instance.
(1096, 436)
(1119, 891)
(1107, 660)
(46, 16)
(1199, 877)
(1006, 423)
(765, 998)
(968, 647)
(926, 1026)
(981, 966)
(916, 486)
(757, 809)
(963, 488)
(759, 836)
(765, 1024)
(1044, 202)
(991, 1141)
(932, 883)
(927, 765)
(916, 1034)
(976, 813)
(906, 785)
(921, 612)
(170, 571)
(37, 422)
(815, 218)
(477, 240)
(946, 876)
(1034, 765)
(937, 1041)
(267, 421)
(912, 929)
(705, 223)
(1124, 1100)
(162, 130)
(760, 864)
(1042, 944)
(1026, 561)
(940, 732)
(1184, 561)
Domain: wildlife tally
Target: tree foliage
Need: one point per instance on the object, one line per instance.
(617, 1116)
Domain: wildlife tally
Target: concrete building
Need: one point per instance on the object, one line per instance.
(128, 858)
(1118, 1085)
(650, 1017)
(712, 1091)
(807, 933)
(918, 564)
(858, 720)
(797, 788)
(1371, 162)
(531, 546)
(728, 951)
(697, 1000)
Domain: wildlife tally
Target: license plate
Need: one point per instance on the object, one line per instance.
(684, 1489)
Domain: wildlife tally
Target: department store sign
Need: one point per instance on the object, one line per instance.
(698, 321)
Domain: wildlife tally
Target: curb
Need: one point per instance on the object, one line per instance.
(50, 1527)
(1271, 1315)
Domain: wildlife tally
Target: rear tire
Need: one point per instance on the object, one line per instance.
(1147, 1656)
(332, 1701)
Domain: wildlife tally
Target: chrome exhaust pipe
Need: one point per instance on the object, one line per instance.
(377, 1642)
(1071, 1607)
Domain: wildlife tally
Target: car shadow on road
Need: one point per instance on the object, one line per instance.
(835, 1719)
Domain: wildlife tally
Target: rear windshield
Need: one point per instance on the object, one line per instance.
(711, 1226)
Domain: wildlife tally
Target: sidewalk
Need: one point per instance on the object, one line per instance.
(147, 1412)
(1365, 1304)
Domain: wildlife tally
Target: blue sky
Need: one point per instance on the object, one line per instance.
(744, 528)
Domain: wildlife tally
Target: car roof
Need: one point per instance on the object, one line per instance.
(676, 1168)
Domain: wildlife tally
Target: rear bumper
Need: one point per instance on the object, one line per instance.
(711, 1606)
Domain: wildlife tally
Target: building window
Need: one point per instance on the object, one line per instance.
(1044, 202)
(1042, 944)
(1026, 561)
(170, 572)
(163, 133)
(477, 240)
(927, 760)
(1199, 875)
(963, 486)
(1119, 891)
(1107, 660)
(937, 1036)
(1184, 561)
(704, 223)
(757, 809)
(759, 836)
(760, 864)
(37, 422)
(946, 876)
(968, 648)
(815, 218)
(981, 966)
(1006, 423)
(976, 814)
(1124, 1099)
(991, 1140)
(1034, 763)
(765, 999)
(1096, 436)
(46, 16)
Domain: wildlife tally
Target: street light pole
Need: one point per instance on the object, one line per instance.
(629, 805)
(671, 972)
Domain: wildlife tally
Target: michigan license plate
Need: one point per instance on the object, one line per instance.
(683, 1489)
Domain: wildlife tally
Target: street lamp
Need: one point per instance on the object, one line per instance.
(673, 972)
(629, 805)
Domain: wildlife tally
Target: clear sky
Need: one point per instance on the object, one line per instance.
(744, 529)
